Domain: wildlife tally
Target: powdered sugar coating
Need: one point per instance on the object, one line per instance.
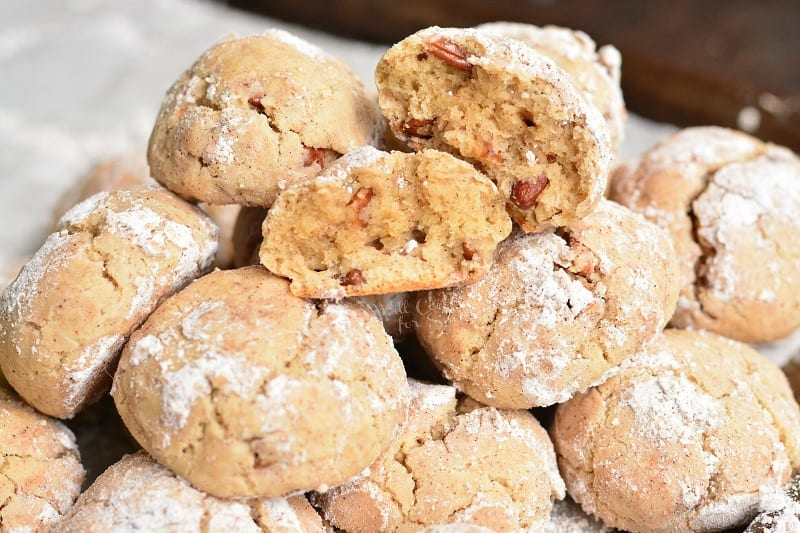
(40, 469)
(111, 260)
(687, 436)
(234, 361)
(556, 311)
(138, 494)
(730, 203)
(442, 468)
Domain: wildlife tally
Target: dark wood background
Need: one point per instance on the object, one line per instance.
(687, 62)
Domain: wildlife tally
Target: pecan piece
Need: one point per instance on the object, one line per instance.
(314, 155)
(353, 277)
(468, 251)
(450, 53)
(584, 262)
(418, 128)
(360, 200)
(525, 193)
(255, 101)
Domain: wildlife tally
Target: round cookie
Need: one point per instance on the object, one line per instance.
(128, 170)
(247, 391)
(730, 203)
(255, 114)
(377, 222)
(40, 467)
(686, 436)
(555, 313)
(113, 258)
(138, 494)
(452, 463)
(596, 72)
(508, 109)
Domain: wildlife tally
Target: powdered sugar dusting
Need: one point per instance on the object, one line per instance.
(281, 513)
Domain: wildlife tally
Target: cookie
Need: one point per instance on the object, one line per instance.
(128, 170)
(255, 114)
(377, 222)
(508, 109)
(596, 72)
(138, 494)
(112, 259)
(686, 436)
(245, 390)
(730, 203)
(556, 312)
(40, 467)
(454, 462)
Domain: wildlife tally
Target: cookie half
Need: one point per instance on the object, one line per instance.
(513, 112)
(378, 222)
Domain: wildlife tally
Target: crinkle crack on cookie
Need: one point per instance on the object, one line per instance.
(688, 435)
(138, 494)
(731, 204)
(40, 467)
(377, 222)
(507, 109)
(596, 72)
(256, 113)
(556, 312)
(245, 390)
(453, 463)
(113, 258)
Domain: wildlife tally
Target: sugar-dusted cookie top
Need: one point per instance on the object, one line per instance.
(732, 206)
(112, 259)
(138, 494)
(40, 467)
(508, 109)
(453, 462)
(256, 113)
(687, 435)
(556, 311)
(377, 222)
(245, 390)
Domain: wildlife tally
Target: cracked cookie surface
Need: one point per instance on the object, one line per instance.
(595, 71)
(453, 462)
(731, 204)
(507, 109)
(256, 113)
(557, 310)
(246, 390)
(40, 468)
(138, 494)
(686, 436)
(111, 260)
(377, 222)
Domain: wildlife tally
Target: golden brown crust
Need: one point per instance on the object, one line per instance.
(255, 114)
(686, 436)
(556, 311)
(111, 260)
(730, 203)
(40, 467)
(246, 390)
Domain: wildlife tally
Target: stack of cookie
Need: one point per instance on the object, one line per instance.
(272, 396)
